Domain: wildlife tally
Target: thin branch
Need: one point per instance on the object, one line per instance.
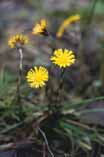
(46, 141)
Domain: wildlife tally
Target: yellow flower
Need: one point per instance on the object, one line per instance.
(66, 23)
(37, 77)
(17, 39)
(63, 58)
(40, 28)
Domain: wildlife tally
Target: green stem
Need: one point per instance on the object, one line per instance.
(91, 14)
(58, 92)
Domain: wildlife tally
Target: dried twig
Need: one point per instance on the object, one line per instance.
(46, 141)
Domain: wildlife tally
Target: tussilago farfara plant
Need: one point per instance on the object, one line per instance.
(38, 77)
(18, 41)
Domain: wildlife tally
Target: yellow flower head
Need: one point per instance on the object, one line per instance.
(40, 28)
(37, 77)
(66, 23)
(17, 39)
(63, 58)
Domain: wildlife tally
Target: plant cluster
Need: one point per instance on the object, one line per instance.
(65, 122)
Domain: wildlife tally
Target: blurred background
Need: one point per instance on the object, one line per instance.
(83, 80)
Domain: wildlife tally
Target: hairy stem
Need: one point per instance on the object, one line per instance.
(20, 73)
